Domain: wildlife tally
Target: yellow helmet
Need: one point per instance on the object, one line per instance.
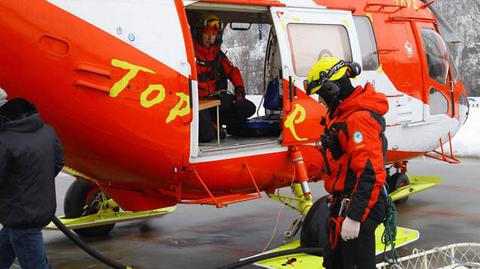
(211, 22)
(328, 68)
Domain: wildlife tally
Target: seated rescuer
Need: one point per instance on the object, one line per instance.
(354, 149)
(214, 68)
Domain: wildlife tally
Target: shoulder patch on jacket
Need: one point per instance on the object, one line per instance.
(357, 137)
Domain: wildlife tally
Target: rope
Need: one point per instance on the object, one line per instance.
(274, 228)
(390, 233)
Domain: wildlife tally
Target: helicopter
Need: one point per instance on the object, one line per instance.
(118, 81)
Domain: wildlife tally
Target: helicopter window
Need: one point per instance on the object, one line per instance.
(453, 65)
(310, 42)
(438, 103)
(436, 52)
(246, 49)
(368, 45)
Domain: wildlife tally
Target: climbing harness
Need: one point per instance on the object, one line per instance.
(335, 223)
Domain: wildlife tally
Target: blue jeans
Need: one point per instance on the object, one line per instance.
(25, 244)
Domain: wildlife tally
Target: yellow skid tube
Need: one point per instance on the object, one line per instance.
(110, 217)
(417, 184)
(306, 261)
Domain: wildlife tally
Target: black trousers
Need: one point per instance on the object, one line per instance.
(358, 253)
(232, 114)
(206, 131)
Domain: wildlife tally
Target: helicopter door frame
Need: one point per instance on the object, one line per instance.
(301, 46)
(431, 83)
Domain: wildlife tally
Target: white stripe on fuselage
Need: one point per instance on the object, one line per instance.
(151, 26)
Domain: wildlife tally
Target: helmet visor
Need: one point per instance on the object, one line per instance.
(207, 30)
(213, 24)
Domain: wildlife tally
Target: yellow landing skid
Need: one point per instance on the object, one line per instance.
(110, 218)
(417, 184)
(305, 261)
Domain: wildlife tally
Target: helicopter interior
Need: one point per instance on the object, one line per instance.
(248, 39)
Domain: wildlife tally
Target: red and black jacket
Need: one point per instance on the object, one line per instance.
(359, 170)
(214, 68)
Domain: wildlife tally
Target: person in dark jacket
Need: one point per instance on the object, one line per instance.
(214, 69)
(31, 155)
(355, 146)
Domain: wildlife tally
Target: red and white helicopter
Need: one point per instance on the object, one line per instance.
(118, 81)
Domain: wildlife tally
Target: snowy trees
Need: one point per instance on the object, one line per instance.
(462, 15)
(246, 49)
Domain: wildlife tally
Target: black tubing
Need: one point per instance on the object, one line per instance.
(86, 248)
(315, 251)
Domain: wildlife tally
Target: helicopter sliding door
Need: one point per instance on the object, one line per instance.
(305, 36)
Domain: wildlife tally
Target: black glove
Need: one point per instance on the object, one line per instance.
(239, 93)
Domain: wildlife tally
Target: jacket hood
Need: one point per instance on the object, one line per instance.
(27, 124)
(364, 99)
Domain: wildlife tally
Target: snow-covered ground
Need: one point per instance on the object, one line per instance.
(465, 143)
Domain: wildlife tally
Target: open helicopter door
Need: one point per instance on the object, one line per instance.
(305, 35)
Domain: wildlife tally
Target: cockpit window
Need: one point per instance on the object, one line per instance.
(453, 65)
(436, 53)
(310, 42)
(368, 46)
(438, 103)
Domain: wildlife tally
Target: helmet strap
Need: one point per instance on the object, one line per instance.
(330, 93)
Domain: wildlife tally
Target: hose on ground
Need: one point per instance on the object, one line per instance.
(314, 251)
(88, 249)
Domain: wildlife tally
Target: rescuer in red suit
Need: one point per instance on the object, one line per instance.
(213, 69)
(354, 147)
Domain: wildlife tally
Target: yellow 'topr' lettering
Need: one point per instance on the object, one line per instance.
(297, 116)
(123, 82)
(415, 4)
(158, 99)
(181, 109)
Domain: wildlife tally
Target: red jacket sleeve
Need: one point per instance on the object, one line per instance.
(232, 72)
(364, 145)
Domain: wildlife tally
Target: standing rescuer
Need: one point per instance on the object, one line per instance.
(354, 147)
(31, 155)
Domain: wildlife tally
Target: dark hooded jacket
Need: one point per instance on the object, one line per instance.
(31, 156)
(359, 171)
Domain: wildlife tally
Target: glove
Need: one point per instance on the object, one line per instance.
(239, 93)
(350, 229)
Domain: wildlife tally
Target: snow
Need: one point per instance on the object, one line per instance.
(465, 143)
